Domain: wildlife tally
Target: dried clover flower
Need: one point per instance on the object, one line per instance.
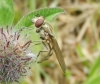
(15, 56)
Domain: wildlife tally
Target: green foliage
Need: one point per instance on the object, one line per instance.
(6, 13)
(48, 13)
(94, 80)
(94, 76)
(79, 51)
(95, 67)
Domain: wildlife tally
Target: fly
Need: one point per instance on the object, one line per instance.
(45, 31)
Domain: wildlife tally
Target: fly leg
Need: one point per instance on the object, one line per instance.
(50, 52)
(42, 51)
(48, 49)
(41, 42)
(38, 42)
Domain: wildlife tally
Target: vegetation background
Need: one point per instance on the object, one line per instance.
(78, 35)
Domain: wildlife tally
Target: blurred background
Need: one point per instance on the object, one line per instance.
(78, 35)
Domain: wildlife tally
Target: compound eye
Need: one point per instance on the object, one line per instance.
(39, 22)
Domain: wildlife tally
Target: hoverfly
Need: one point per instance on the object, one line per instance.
(45, 31)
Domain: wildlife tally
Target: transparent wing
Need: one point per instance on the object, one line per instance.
(58, 54)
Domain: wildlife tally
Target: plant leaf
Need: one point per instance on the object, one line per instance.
(48, 13)
(6, 13)
(94, 77)
(94, 80)
(95, 67)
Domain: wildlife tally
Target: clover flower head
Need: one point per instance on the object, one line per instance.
(15, 56)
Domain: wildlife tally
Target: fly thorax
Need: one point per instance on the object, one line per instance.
(45, 27)
(42, 33)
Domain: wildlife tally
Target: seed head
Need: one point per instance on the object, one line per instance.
(14, 55)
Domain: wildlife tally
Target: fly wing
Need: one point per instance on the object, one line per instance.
(48, 28)
(58, 54)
